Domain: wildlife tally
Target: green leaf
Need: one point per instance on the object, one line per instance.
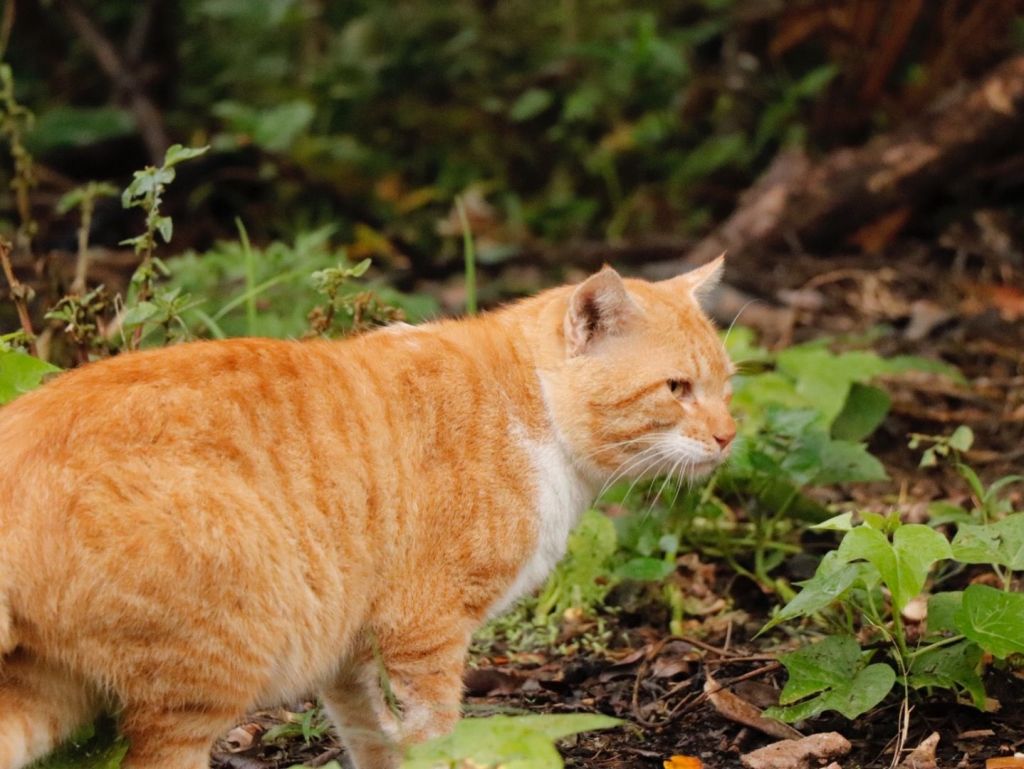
(832, 579)
(900, 364)
(847, 462)
(645, 569)
(942, 609)
(64, 126)
(962, 438)
(20, 372)
(558, 726)
(993, 619)
(1000, 543)
(864, 410)
(530, 104)
(841, 522)
(524, 742)
(834, 673)
(904, 564)
(176, 153)
(950, 667)
(166, 228)
(139, 313)
(819, 378)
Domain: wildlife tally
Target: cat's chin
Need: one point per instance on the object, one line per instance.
(702, 469)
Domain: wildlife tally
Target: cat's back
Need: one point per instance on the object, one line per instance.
(149, 391)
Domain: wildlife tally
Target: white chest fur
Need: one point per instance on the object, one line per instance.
(561, 495)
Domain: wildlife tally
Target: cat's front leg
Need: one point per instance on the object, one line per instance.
(408, 689)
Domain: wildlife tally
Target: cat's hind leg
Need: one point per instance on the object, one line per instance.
(173, 737)
(40, 705)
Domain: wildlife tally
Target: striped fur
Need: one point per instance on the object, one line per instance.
(189, 532)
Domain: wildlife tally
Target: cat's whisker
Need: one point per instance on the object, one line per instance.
(648, 454)
(621, 444)
(728, 331)
(667, 459)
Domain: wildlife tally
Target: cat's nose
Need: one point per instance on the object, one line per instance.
(723, 439)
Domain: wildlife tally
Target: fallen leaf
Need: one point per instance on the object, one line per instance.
(923, 756)
(874, 236)
(242, 737)
(737, 709)
(1009, 300)
(683, 762)
(798, 754)
(1005, 762)
(976, 734)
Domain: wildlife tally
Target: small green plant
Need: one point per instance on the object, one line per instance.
(84, 199)
(311, 724)
(82, 319)
(583, 578)
(942, 446)
(15, 121)
(357, 310)
(861, 590)
(145, 192)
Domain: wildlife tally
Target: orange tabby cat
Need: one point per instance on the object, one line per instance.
(189, 532)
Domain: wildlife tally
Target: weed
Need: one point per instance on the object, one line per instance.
(145, 306)
(84, 199)
(311, 724)
(862, 589)
(15, 122)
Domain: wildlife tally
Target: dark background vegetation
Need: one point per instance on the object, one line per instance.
(562, 122)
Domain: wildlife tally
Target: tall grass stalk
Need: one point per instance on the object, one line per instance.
(469, 251)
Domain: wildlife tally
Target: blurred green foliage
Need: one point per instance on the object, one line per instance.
(604, 118)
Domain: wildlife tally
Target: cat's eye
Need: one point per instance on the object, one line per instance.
(681, 388)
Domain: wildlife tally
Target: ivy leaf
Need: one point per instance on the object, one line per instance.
(904, 564)
(950, 667)
(21, 372)
(848, 462)
(942, 609)
(835, 675)
(993, 619)
(833, 578)
(864, 410)
(819, 379)
(999, 543)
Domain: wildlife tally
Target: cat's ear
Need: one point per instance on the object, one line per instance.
(599, 307)
(699, 283)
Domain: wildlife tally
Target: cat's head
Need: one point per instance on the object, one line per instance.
(642, 385)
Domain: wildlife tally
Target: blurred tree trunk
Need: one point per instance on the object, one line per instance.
(878, 184)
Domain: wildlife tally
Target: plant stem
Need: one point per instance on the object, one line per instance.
(82, 263)
(469, 252)
(250, 279)
(19, 294)
(937, 645)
